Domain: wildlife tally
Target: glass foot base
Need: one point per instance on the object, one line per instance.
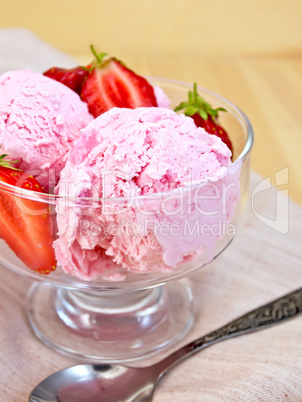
(111, 327)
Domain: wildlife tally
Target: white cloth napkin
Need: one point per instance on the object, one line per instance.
(20, 48)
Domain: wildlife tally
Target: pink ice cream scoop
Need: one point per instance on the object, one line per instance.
(157, 174)
(39, 122)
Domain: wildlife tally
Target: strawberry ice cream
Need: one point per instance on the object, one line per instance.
(39, 121)
(157, 175)
(161, 98)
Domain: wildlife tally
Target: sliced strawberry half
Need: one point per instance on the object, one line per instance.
(73, 78)
(204, 115)
(110, 83)
(26, 225)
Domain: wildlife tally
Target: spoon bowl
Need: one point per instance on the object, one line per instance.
(105, 382)
(97, 382)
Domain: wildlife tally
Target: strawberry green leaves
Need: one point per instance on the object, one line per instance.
(204, 115)
(7, 163)
(196, 104)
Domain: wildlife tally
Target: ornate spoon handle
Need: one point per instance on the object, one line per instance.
(278, 311)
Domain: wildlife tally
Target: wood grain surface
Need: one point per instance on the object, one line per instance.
(248, 51)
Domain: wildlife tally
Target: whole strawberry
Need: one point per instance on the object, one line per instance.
(110, 83)
(204, 115)
(72, 78)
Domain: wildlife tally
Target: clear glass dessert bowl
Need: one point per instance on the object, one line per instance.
(118, 313)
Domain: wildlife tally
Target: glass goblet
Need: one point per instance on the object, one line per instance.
(121, 315)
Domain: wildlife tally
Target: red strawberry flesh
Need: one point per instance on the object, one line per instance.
(25, 224)
(110, 83)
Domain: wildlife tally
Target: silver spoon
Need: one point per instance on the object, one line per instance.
(106, 382)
